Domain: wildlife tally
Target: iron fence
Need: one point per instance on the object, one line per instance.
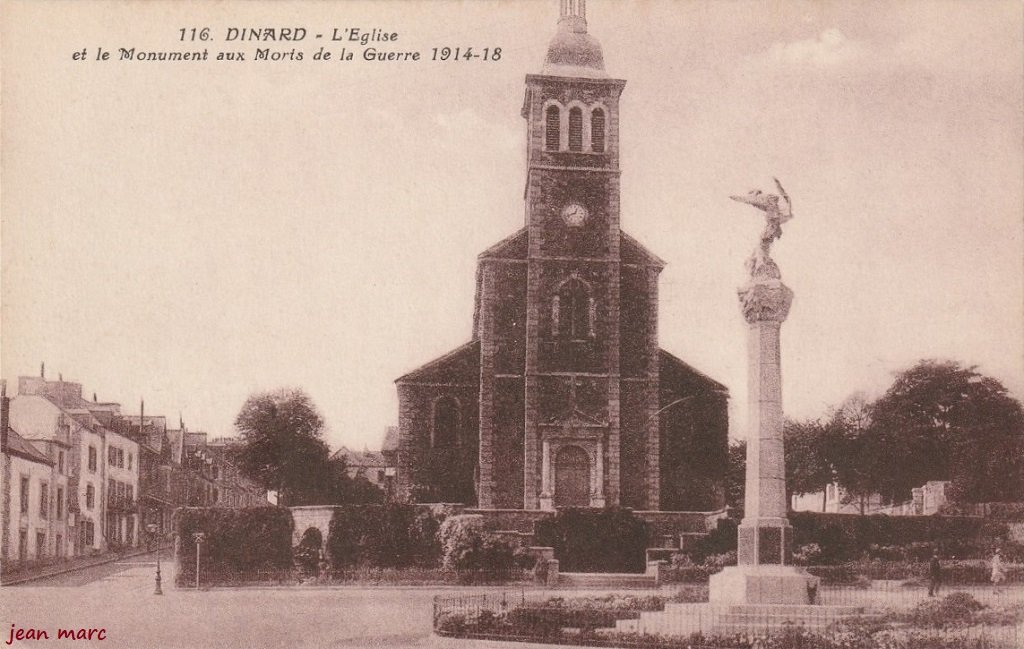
(895, 616)
(218, 576)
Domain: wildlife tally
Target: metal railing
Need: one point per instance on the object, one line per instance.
(885, 614)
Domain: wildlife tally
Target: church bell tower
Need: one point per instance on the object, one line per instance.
(572, 392)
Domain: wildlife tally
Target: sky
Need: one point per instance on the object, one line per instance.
(193, 232)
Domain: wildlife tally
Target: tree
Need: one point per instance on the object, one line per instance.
(282, 449)
(736, 475)
(808, 468)
(942, 421)
(857, 458)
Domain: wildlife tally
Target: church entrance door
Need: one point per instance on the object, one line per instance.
(572, 477)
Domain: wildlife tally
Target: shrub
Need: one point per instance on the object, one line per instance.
(847, 537)
(586, 540)
(467, 547)
(807, 555)
(719, 541)
(236, 540)
(386, 536)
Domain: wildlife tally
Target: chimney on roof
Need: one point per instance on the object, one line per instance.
(42, 370)
(94, 397)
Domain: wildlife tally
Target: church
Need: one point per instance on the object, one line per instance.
(563, 397)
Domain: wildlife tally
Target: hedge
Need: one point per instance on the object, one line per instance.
(586, 540)
(847, 537)
(392, 535)
(236, 540)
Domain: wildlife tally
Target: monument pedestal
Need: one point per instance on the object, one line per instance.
(745, 585)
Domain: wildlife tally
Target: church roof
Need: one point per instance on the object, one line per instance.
(461, 365)
(676, 374)
(513, 246)
(632, 251)
(573, 52)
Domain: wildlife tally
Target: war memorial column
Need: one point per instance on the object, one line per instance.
(764, 574)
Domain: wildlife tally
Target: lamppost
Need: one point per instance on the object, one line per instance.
(151, 528)
(199, 537)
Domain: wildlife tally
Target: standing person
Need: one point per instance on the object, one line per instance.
(934, 574)
(997, 569)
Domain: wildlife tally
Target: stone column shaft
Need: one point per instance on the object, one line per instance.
(765, 535)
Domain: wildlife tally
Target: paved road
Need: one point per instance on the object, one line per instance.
(119, 598)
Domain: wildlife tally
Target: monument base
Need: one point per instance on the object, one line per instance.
(748, 584)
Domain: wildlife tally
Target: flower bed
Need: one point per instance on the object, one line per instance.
(957, 621)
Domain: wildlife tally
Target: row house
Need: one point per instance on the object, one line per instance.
(214, 480)
(98, 466)
(34, 511)
(81, 477)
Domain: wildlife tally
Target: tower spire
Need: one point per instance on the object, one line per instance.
(573, 15)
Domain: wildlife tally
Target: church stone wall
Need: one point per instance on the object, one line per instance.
(430, 473)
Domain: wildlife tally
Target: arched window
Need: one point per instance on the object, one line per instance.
(597, 130)
(445, 431)
(573, 310)
(552, 130)
(575, 129)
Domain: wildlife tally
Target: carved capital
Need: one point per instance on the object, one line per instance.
(765, 301)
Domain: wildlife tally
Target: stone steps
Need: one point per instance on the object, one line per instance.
(605, 580)
(684, 619)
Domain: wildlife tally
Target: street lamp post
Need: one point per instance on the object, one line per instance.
(151, 528)
(199, 538)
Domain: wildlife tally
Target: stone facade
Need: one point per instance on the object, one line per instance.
(563, 397)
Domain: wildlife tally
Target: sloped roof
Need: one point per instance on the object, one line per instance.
(513, 246)
(632, 251)
(361, 459)
(460, 365)
(18, 445)
(675, 372)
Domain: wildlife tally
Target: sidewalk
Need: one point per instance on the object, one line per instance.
(74, 564)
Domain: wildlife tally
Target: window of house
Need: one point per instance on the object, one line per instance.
(40, 544)
(575, 129)
(380, 476)
(597, 130)
(24, 494)
(60, 461)
(92, 459)
(60, 503)
(90, 496)
(445, 432)
(552, 130)
(573, 311)
(129, 461)
(120, 458)
(44, 499)
(216, 472)
(111, 456)
(129, 492)
(22, 545)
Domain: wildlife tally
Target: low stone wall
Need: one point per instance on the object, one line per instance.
(519, 520)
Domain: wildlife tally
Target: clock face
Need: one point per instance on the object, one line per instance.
(574, 214)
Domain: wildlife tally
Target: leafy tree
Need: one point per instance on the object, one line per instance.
(282, 447)
(942, 421)
(736, 475)
(808, 468)
(857, 457)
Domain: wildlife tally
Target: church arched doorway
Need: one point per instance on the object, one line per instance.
(572, 477)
